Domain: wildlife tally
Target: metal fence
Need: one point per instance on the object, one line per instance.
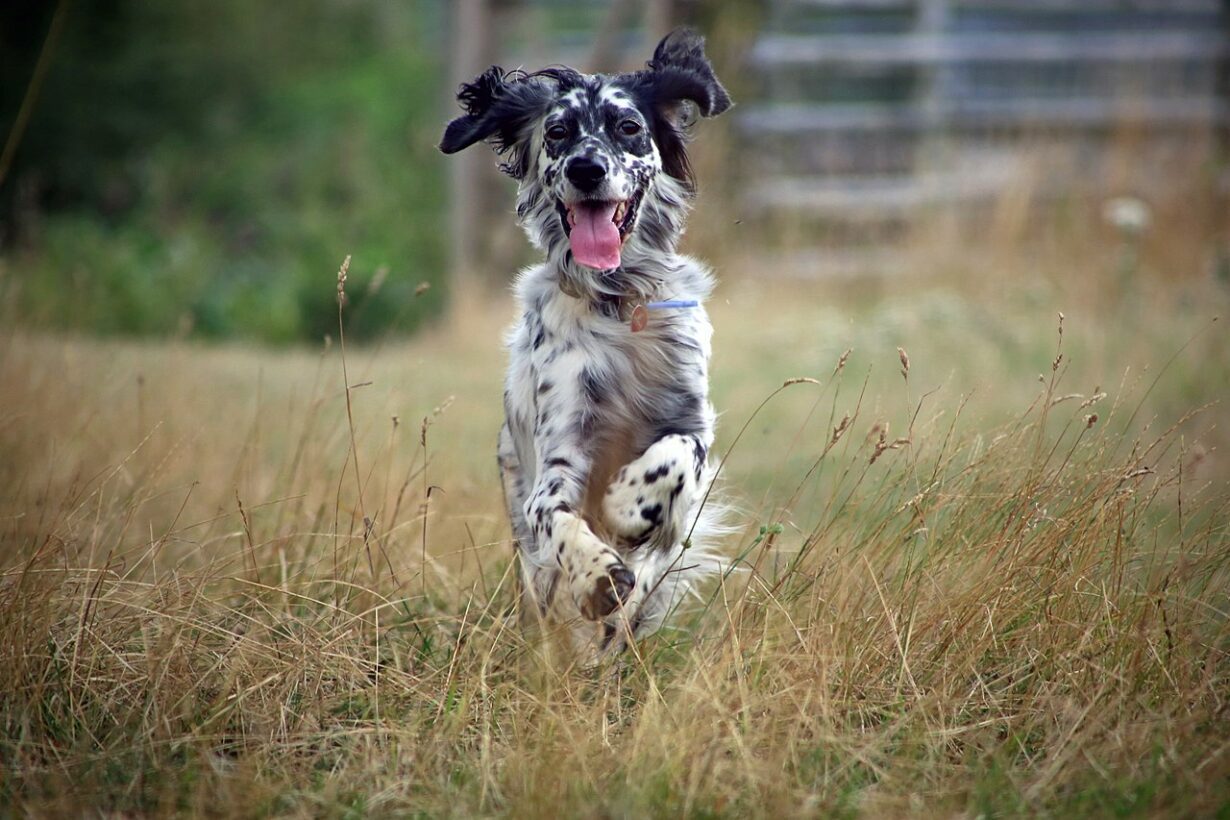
(872, 111)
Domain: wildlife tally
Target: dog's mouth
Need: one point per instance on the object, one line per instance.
(597, 229)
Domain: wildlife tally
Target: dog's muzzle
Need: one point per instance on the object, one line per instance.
(598, 228)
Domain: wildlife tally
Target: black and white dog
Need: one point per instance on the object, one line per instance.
(608, 425)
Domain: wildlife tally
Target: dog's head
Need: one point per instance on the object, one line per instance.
(594, 153)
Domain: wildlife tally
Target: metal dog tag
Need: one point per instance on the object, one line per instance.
(640, 318)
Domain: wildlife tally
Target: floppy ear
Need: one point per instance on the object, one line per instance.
(500, 107)
(680, 71)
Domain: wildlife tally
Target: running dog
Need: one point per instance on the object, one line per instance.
(604, 452)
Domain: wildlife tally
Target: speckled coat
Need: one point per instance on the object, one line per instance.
(604, 453)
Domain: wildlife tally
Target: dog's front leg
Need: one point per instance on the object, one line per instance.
(650, 498)
(597, 578)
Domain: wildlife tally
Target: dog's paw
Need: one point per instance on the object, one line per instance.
(601, 592)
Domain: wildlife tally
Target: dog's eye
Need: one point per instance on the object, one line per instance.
(557, 131)
(629, 128)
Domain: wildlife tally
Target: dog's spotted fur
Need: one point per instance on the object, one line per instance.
(604, 450)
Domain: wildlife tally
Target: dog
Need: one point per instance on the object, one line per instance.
(604, 451)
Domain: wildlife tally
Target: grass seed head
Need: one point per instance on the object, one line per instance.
(841, 363)
(840, 429)
(341, 280)
(881, 441)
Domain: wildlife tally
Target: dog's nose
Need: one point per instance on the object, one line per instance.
(585, 173)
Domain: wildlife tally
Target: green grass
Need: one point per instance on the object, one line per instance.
(1019, 611)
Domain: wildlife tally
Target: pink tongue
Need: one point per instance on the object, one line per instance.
(594, 237)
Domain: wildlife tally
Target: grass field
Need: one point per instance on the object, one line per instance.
(987, 574)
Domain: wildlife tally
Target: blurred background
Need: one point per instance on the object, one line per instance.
(198, 169)
(244, 563)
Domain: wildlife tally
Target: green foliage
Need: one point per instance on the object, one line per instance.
(203, 168)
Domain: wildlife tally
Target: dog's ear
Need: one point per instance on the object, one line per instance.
(500, 107)
(678, 77)
(680, 71)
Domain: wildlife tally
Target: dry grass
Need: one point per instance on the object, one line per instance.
(969, 592)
